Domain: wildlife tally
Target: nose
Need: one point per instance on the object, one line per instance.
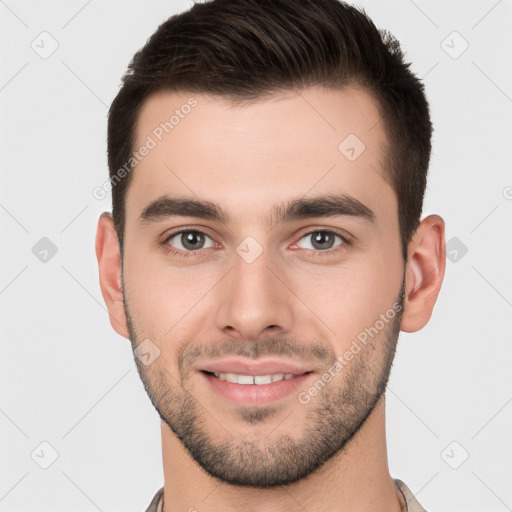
(253, 301)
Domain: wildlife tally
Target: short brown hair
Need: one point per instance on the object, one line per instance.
(247, 50)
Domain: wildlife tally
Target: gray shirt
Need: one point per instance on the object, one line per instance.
(157, 503)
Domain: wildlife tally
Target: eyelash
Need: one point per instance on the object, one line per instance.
(316, 253)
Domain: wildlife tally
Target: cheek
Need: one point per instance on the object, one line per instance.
(160, 296)
(349, 298)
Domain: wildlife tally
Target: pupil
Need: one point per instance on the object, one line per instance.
(190, 240)
(321, 239)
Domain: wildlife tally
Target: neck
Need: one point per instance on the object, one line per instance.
(356, 479)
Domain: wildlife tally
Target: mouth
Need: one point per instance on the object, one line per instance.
(254, 390)
(253, 379)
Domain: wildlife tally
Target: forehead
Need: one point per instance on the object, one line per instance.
(310, 141)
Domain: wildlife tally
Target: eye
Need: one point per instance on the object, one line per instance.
(321, 240)
(190, 240)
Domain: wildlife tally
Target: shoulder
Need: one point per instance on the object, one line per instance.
(156, 504)
(412, 503)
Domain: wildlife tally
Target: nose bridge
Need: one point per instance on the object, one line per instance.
(253, 298)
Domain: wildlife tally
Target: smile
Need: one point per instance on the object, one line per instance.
(253, 379)
(255, 390)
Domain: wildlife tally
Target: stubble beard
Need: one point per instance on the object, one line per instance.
(334, 416)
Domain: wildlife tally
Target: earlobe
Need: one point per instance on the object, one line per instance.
(109, 262)
(424, 273)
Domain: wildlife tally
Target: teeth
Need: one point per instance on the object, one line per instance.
(249, 379)
(240, 379)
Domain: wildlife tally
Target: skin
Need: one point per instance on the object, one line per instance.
(330, 453)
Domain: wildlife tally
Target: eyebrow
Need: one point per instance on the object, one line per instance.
(331, 205)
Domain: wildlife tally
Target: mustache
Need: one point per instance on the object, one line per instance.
(273, 346)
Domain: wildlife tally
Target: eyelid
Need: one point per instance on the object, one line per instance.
(345, 242)
(182, 230)
(177, 234)
(346, 238)
(185, 229)
(319, 229)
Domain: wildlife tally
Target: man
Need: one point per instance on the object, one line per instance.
(268, 161)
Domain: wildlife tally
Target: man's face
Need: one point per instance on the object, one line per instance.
(290, 293)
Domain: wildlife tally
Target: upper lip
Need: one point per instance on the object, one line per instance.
(266, 367)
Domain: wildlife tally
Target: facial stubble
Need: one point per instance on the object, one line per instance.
(334, 416)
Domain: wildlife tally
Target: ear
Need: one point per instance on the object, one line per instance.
(109, 261)
(424, 273)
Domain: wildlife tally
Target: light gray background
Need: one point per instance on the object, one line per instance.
(68, 380)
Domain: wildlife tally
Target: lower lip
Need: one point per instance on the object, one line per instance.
(255, 394)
